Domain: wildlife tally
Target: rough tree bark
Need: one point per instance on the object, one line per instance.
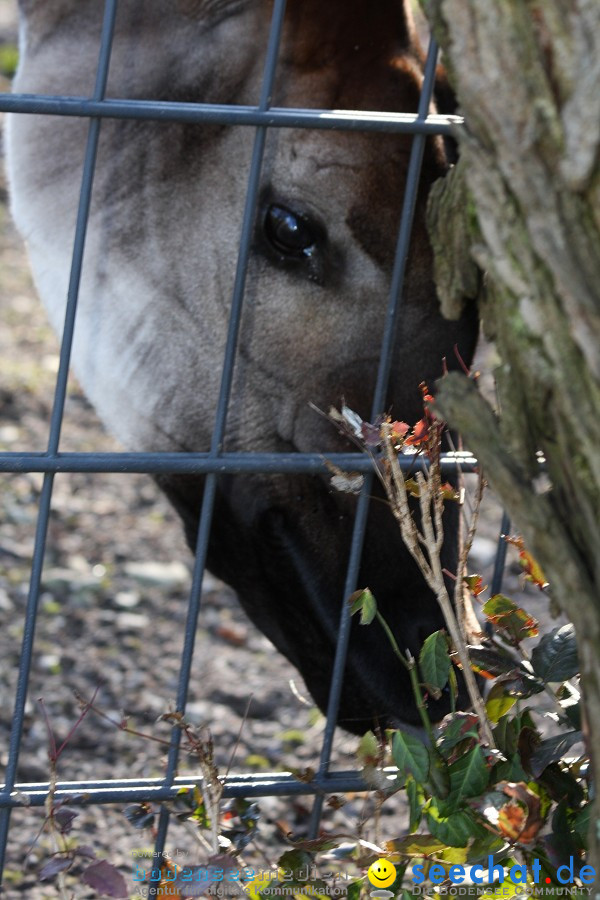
(523, 206)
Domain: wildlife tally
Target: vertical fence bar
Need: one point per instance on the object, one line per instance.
(210, 484)
(385, 363)
(500, 560)
(108, 23)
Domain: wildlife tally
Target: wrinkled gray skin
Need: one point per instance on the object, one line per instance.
(159, 268)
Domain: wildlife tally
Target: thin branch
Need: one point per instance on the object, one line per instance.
(432, 571)
(459, 586)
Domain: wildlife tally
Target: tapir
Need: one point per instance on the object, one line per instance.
(159, 267)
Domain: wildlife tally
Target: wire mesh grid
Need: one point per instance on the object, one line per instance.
(215, 461)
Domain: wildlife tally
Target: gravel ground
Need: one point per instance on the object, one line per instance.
(112, 615)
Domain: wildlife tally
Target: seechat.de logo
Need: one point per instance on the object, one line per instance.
(495, 873)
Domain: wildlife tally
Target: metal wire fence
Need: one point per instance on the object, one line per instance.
(214, 462)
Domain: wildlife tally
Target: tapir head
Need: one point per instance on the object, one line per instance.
(158, 276)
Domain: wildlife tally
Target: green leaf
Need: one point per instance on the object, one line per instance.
(521, 684)
(491, 663)
(456, 728)
(434, 662)
(551, 750)
(469, 776)
(559, 783)
(561, 844)
(555, 657)
(354, 889)
(511, 770)
(498, 702)
(294, 862)
(581, 827)
(416, 845)
(550, 859)
(509, 618)
(525, 720)
(560, 823)
(506, 735)
(367, 751)
(481, 848)
(439, 775)
(411, 756)
(365, 602)
(415, 803)
(508, 888)
(537, 788)
(453, 830)
(454, 855)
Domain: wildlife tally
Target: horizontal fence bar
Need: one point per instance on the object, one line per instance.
(216, 114)
(132, 790)
(224, 464)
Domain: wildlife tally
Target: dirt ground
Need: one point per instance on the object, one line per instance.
(112, 615)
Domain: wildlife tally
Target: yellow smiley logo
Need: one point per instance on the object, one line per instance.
(381, 873)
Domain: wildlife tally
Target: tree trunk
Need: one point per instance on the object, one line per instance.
(524, 201)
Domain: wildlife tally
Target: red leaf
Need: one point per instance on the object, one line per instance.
(398, 430)
(512, 819)
(533, 571)
(54, 866)
(475, 584)
(420, 433)
(517, 624)
(448, 492)
(427, 398)
(520, 819)
(102, 876)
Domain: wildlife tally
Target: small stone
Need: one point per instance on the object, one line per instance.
(79, 564)
(6, 604)
(169, 575)
(127, 599)
(131, 622)
(50, 362)
(9, 434)
(58, 579)
(50, 662)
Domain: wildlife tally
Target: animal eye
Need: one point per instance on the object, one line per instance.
(288, 232)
